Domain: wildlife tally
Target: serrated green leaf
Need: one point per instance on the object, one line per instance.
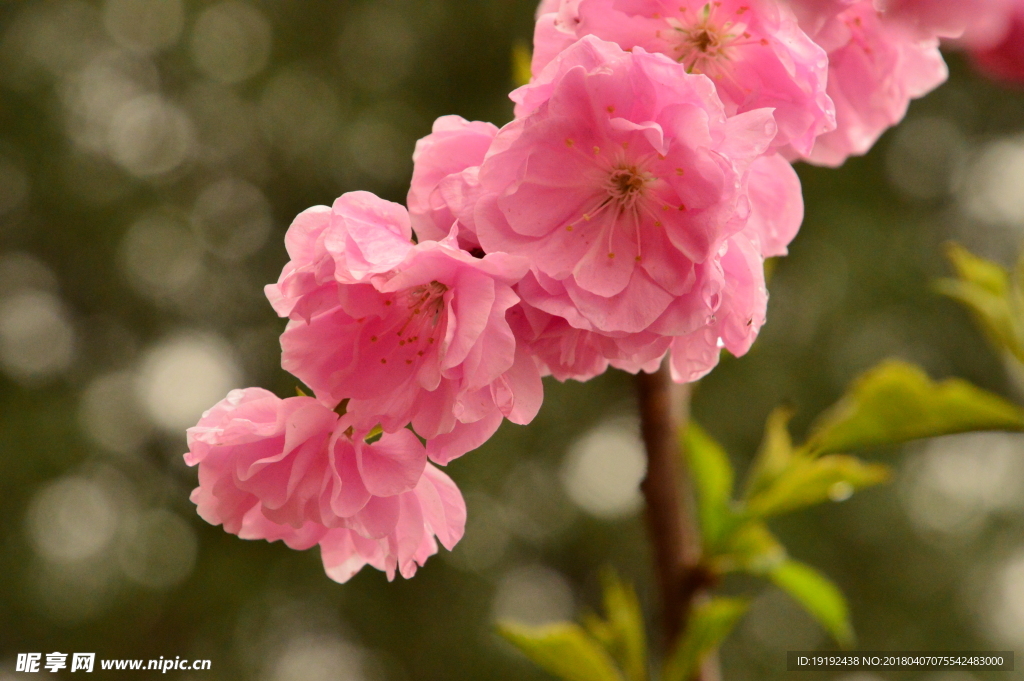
(809, 481)
(521, 58)
(775, 453)
(709, 624)
(563, 649)
(713, 476)
(623, 633)
(896, 402)
(819, 597)
(751, 548)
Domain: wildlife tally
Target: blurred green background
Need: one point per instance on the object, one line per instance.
(152, 154)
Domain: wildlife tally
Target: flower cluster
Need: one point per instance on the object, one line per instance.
(622, 217)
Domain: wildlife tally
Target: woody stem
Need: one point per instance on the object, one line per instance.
(664, 409)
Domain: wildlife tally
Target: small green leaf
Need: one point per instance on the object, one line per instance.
(521, 58)
(1017, 276)
(808, 481)
(896, 402)
(713, 481)
(775, 453)
(375, 434)
(709, 624)
(819, 597)
(984, 287)
(751, 548)
(563, 649)
(979, 271)
(992, 312)
(623, 633)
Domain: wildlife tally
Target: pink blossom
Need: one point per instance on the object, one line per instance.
(408, 333)
(753, 50)
(294, 470)
(978, 23)
(776, 205)
(1000, 53)
(560, 349)
(554, 31)
(547, 7)
(877, 64)
(737, 319)
(444, 178)
(623, 181)
(432, 512)
(567, 352)
(364, 233)
(813, 15)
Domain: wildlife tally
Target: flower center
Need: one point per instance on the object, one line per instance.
(703, 39)
(426, 300)
(625, 186)
(407, 330)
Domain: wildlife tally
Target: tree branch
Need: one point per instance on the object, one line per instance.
(664, 408)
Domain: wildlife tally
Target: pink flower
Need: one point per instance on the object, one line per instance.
(547, 6)
(776, 205)
(623, 182)
(737, 319)
(444, 178)
(978, 22)
(364, 233)
(567, 352)
(432, 512)
(293, 470)
(813, 15)
(877, 64)
(554, 31)
(561, 350)
(753, 50)
(408, 333)
(1000, 53)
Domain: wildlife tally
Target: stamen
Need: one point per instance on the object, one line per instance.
(705, 43)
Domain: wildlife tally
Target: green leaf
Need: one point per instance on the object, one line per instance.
(896, 402)
(775, 453)
(622, 634)
(984, 288)
(713, 481)
(1017, 278)
(563, 649)
(751, 548)
(819, 597)
(709, 624)
(809, 481)
(993, 313)
(983, 273)
(375, 434)
(521, 58)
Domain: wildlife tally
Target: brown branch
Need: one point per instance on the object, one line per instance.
(664, 408)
